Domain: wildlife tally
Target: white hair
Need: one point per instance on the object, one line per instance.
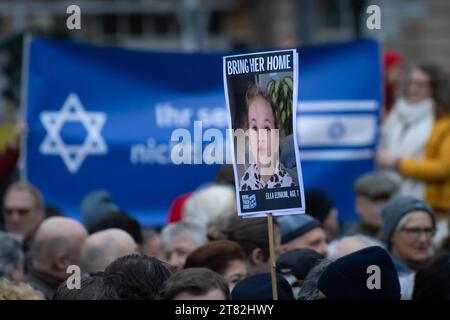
(194, 231)
(337, 248)
(10, 253)
(208, 205)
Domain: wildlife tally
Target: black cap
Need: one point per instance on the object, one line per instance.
(298, 262)
(259, 287)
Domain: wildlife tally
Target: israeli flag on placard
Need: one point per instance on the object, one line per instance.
(103, 118)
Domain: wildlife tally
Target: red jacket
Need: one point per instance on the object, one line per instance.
(8, 161)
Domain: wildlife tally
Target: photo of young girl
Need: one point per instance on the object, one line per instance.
(261, 120)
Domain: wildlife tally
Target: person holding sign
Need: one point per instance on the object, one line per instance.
(261, 123)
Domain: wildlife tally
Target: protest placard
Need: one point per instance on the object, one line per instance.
(261, 96)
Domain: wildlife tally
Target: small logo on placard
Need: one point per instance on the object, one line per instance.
(248, 201)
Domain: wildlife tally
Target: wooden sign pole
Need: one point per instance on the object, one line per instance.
(272, 257)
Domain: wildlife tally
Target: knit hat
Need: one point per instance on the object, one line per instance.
(347, 278)
(319, 204)
(296, 225)
(396, 209)
(259, 287)
(95, 206)
(298, 262)
(376, 185)
(176, 208)
(392, 57)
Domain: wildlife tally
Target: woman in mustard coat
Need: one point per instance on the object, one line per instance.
(433, 169)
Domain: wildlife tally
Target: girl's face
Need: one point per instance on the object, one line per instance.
(418, 86)
(261, 123)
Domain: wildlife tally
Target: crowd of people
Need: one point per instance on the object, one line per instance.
(397, 248)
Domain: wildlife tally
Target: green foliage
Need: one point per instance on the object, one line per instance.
(281, 92)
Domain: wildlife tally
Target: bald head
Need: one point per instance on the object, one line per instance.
(57, 245)
(346, 245)
(103, 247)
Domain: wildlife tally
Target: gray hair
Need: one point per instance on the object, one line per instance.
(402, 221)
(191, 230)
(365, 241)
(310, 289)
(10, 253)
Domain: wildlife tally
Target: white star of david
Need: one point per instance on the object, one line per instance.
(73, 155)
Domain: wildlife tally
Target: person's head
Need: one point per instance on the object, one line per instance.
(302, 231)
(346, 245)
(210, 204)
(135, 277)
(11, 256)
(409, 226)
(225, 175)
(321, 207)
(96, 205)
(367, 274)
(309, 289)
(57, 245)
(10, 290)
(23, 209)
(119, 220)
(261, 121)
(179, 239)
(196, 284)
(295, 265)
(394, 64)
(252, 236)
(91, 288)
(432, 282)
(103, 247)
(259, 287)
(373, 190)
(222, 256)
(428, 81)
(151, 243)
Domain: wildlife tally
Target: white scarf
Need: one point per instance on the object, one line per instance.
(406, 133)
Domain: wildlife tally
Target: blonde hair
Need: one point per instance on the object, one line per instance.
(18, 291)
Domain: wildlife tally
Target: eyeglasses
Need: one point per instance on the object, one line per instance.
(416, 232)
(20, 211)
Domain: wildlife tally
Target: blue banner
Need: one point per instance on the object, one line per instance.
(116, 119)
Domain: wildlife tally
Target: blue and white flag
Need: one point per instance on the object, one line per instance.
(141, 124)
